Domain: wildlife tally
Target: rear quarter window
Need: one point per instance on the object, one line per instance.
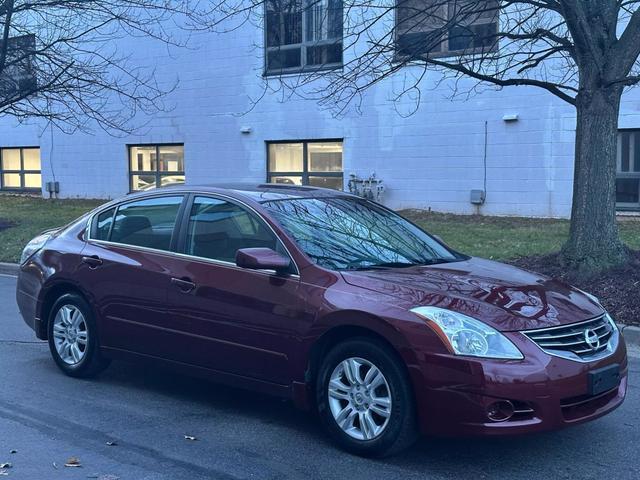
(103, 223)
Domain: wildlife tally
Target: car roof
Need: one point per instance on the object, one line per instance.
(262, 192)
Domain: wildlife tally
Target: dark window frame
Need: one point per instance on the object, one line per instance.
(303, 45)
(157, 173)
(180, 231)
(22, 172)
(305, 173)
(445, 52)
(622, 206)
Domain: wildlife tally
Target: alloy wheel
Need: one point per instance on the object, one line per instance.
(359, 398)
(70, 334)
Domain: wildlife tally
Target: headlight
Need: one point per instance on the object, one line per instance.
(33, 246)
(468, 336)
(606, 314)
(611, 321)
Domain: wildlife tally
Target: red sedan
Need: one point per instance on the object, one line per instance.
(328, 299)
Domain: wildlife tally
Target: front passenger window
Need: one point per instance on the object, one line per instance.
(146, 223)
(218, 229)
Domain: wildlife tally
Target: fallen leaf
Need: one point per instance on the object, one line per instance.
(73, 462)
(190, 437)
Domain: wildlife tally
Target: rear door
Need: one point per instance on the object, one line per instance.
(231, 319)
(125, 269)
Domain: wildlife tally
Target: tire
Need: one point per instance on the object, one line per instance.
(389, 433)
(72, 321)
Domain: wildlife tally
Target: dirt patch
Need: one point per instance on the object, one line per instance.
(4, 224)
(618, 289)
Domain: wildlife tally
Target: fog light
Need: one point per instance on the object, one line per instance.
(500, 411)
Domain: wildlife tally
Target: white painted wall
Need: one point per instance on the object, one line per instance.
(431, 159)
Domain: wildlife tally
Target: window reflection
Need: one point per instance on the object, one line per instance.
(153, 166)
(316, 163)
(20, 169)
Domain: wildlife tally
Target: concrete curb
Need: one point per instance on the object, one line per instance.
(631, 333)
(9, 268)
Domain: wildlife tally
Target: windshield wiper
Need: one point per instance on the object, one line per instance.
(388, 265)
(383, 266)
(436, 261)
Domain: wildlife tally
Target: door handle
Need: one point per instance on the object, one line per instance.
(93, 261)
(184, 284)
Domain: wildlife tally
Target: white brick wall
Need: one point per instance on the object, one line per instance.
(431, 159)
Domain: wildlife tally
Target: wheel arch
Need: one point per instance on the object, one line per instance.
(345, 325)
(49, 298)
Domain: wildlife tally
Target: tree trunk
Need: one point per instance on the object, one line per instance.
(594, 243)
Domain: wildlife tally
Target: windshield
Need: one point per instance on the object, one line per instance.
(343, 233)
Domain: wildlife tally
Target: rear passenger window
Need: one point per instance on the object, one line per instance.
(146, 223)
(103, 225)
(218, 229)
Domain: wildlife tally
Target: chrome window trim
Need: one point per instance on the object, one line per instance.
(612, 344)
(185, 193)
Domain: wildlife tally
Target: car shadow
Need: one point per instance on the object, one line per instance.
(432, 452)
(202, 393)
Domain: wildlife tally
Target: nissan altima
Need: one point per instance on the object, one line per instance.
(330, 300)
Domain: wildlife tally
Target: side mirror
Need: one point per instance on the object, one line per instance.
(262, 259)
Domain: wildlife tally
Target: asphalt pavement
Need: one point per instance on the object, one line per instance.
(47, 418)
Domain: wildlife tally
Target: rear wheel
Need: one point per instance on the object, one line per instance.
(73, 337)
(365, 399)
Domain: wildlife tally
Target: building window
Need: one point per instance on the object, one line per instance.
(440, 28)
(20, 169)
(302, 35)
(18, 71)
(154, 166)
(316, 163)
(628, 170)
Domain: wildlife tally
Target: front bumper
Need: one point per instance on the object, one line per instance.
(454, 393)
(28, 290)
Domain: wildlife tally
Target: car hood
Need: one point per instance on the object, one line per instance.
(505, 297)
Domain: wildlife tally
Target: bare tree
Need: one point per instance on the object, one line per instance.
(60, 61)
(584, 52)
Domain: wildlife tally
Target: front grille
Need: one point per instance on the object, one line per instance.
(577, 341)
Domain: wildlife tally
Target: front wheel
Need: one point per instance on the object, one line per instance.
(73, 337)
(365, 399)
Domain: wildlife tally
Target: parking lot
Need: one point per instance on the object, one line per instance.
(48, 418)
